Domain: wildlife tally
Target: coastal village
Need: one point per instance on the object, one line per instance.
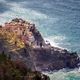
(28, 33)
(14, 36)
(25, 31)
(21, 40)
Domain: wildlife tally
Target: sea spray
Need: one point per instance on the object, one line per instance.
(64, 75)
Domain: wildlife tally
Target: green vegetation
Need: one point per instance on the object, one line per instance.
(16, 70)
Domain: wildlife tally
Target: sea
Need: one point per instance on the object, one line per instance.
(57, 20)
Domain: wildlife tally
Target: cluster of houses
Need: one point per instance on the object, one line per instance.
(21, 28)
(25, 31)
(28, 34)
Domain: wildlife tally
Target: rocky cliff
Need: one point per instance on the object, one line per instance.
(21, 40)
(17, 70)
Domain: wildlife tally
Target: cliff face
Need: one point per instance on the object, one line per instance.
(49, 59)
(17, 70)
(21, 40)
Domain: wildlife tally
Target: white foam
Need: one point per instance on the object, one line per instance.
(51, 42)
(63, 75)
(55, 40)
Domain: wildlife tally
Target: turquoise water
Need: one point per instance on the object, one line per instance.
(63, 75)
(57, 20)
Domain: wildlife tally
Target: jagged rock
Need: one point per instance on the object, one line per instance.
(17, 70)
(29, 46)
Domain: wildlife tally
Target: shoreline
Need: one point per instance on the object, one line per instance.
(53, 44)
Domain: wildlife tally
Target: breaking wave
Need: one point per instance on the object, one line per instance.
(64, 75)
(57, 41)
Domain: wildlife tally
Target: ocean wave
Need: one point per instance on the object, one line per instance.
(17, 11)
(56, 41)
(63, 74)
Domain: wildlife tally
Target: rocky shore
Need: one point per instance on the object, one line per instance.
(21, 40)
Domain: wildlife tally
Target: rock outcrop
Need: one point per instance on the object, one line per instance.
(17, 70)
(21, 40)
